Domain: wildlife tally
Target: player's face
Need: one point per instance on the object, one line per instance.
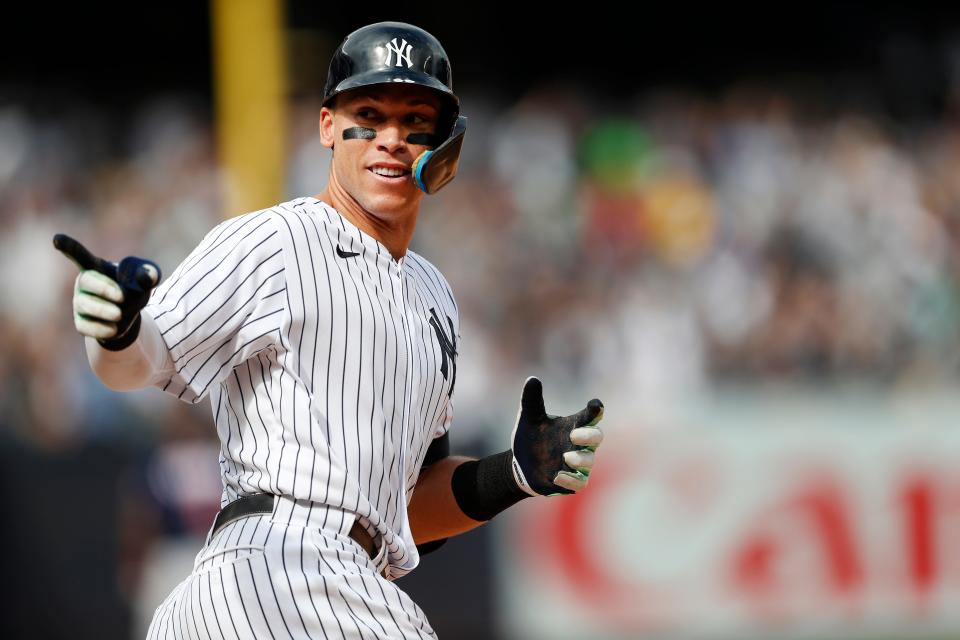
(364, 168)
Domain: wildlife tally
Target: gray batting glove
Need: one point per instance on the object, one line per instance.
(553, 454)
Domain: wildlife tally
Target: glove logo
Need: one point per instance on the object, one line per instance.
(402, 50)
(518, 475)
(448, 347)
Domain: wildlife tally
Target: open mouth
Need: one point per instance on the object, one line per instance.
(393, 174)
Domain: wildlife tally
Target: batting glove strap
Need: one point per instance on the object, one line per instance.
(483, 488)
(124, 340)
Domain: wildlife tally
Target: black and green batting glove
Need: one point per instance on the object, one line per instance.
(548, 455)
(553, 454)
(108, 296)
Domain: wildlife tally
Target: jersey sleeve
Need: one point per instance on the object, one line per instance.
(223, 304)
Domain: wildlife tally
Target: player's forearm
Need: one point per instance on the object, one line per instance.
(433, 511)
(458, 494)
(142, 364)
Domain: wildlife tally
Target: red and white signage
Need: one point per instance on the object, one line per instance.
(745, 532)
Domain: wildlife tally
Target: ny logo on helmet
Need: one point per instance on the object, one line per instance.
(402, 50)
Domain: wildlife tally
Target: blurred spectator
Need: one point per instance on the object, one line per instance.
(696, 243)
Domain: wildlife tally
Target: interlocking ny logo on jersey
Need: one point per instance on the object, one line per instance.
(402, 50)
(448, 347)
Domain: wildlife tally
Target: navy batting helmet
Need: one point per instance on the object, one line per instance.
(388, 52)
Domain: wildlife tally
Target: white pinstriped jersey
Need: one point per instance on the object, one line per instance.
(330, 365)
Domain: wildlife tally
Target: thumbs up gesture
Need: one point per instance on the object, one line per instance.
(108, 296)
(553, 454)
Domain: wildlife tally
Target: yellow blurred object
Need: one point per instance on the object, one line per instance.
(680, 219)
(250, 80)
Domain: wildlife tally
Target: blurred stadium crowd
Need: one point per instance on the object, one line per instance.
(642, 254)
(689, 243)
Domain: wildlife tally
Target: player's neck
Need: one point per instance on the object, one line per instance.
(394, 235)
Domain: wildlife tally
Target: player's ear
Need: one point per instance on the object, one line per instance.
(326, 127)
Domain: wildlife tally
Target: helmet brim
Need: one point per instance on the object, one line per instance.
(393, 76)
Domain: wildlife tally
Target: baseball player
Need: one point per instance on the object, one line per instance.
(329, 353)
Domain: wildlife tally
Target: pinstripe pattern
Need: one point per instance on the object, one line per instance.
(262, 577)
(327, 384)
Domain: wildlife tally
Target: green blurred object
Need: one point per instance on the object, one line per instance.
(934, 311)
(615, 153)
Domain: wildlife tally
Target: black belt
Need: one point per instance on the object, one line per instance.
(263, 503)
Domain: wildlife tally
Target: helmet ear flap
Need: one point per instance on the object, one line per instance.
(437, 167)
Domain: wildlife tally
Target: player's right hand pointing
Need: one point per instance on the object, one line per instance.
(108, 296)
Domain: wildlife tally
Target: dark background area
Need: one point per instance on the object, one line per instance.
(891, 55)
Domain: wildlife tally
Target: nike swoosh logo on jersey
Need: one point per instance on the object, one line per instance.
(345, 254)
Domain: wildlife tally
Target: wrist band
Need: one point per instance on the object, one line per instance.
(483, 488)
